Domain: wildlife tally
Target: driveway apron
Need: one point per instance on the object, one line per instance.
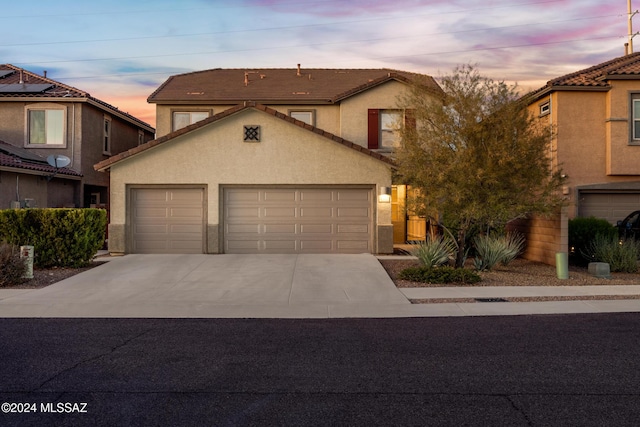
(175, 286)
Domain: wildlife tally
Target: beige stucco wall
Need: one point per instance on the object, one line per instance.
(327, 116)
(216, 155)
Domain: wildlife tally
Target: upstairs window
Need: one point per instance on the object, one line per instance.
(45, 126)
(384, 128)
(106, 145)
(635, 118)
(306, 116)
(183, 119)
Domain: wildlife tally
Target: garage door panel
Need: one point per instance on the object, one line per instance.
(353, 244)
(243, 212)
(278, 212)
(314, 245)
(353, 212)
(279, 228)
(317, 195)
(316, 228)
(167, 220)
(351, 196)
(279, 196)
(298, 220)
(287, 245)
(353, 228)
(242, 195)
(316, 212)
(242, 228)
(612, 206)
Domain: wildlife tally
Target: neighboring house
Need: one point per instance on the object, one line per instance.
(596, 113)
(40, 117)
(266, 160)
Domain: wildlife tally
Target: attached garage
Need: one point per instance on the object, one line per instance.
(167, 220)
(298, 220)
(206, 189)
(612, 202)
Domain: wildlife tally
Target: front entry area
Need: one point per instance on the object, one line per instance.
(264, 219)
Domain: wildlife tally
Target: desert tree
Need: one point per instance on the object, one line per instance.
(476, 155)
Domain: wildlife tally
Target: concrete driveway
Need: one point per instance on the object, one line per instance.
(214, 286)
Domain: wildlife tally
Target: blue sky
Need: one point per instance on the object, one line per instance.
(121, 51)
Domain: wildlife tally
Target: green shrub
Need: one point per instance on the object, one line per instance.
(491, 250)
(12, 267)
(60, 237)
(582, 232)
(443, 274)
(435, 251)
(622, 256)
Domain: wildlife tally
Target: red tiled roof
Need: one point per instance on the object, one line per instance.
(55, 89)
(277, 85)
(19, 158)
(105, 164)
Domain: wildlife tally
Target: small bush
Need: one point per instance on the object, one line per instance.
(435, 251)
(444, 274)
(60, 237)
(491, 250)
(12, 267)
(622, 256)
(582, 232)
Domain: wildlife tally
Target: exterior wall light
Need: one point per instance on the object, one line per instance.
(385, 195)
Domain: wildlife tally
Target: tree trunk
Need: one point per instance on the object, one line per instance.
(460, 256)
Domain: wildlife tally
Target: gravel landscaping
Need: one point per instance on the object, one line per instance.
(519, 273)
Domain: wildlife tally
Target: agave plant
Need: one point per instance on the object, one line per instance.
(435, 251)
(492, 250)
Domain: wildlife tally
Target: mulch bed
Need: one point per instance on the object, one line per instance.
(43, 277)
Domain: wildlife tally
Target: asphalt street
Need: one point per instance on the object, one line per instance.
(486, 371)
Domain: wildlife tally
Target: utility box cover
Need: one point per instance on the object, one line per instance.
(600, 269)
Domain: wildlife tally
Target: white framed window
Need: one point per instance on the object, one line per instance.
(545, 108)
(390, 123)
(183, 119)
(106, 144)
(635, 118)
(46, 126)
(140, 137)
(307, 116)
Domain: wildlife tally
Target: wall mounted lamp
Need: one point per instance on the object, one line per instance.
(385, 195)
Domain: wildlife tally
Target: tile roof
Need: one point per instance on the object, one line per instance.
(596, 77)
(105, 164)
(21, 158)
(16, 82)
(277, 85)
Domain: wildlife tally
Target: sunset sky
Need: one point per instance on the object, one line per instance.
(120, 51)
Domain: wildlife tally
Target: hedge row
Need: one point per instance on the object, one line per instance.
(60, 237)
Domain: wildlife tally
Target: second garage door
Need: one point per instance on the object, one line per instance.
(298, 220)
(610, 206)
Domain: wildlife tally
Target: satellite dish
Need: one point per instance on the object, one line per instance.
(58, 161)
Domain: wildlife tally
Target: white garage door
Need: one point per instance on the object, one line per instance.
(610, 206)
(167, 220)
(298, 220)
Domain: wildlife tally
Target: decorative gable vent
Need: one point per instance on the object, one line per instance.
(251, 133)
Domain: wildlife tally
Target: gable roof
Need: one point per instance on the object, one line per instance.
(106, 164)
(19, 84)
(22, 160)
(277, 85)
(597, 77)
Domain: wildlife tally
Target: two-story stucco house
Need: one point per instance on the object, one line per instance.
(264, 161)
(596, 114)
(40, 117)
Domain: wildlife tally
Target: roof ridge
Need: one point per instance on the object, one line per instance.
(605, 66)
